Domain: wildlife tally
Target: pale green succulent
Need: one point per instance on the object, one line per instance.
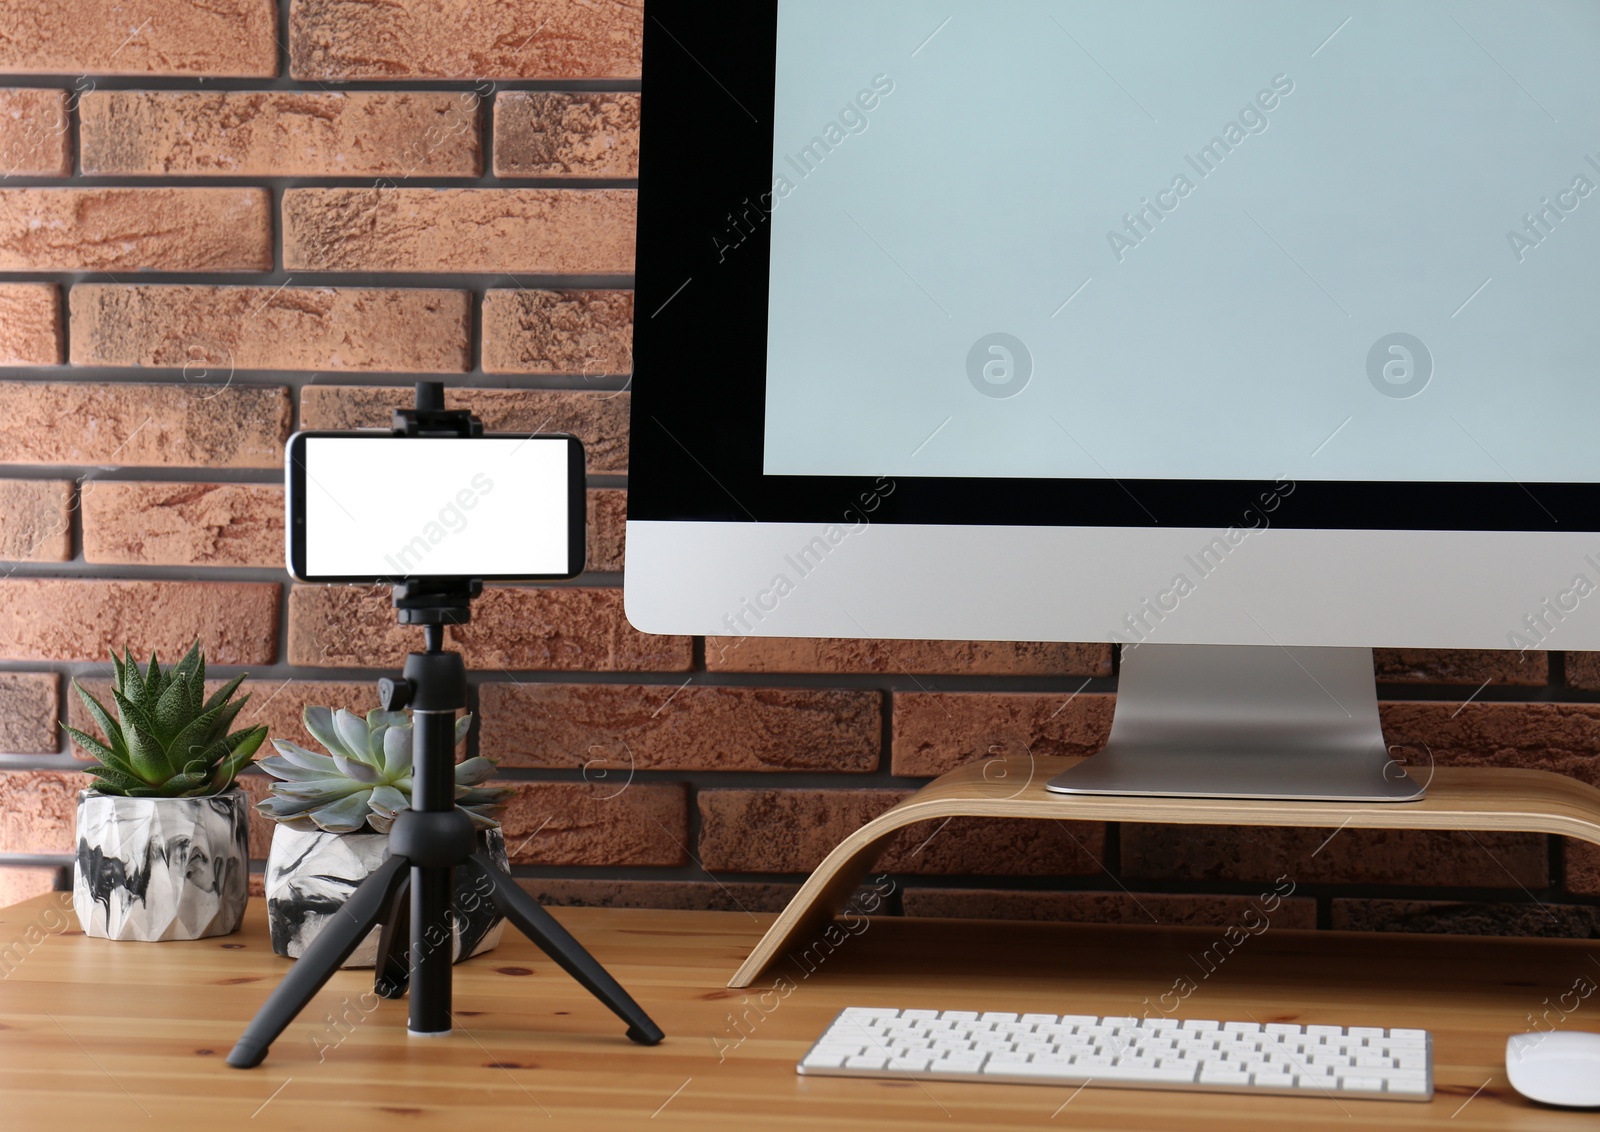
(365, 778)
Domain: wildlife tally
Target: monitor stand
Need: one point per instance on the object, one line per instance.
(1245, 721)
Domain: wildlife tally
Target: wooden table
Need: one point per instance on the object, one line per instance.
(100, 1035)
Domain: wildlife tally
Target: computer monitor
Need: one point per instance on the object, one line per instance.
(1246, 335)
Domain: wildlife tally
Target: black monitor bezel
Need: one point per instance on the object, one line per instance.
(700, 337)
(295, 479)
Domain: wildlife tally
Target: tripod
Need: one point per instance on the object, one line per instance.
(410, 893)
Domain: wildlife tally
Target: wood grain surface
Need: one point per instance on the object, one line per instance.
(97, 1035)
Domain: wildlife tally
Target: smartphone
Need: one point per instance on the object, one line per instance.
(377, 508)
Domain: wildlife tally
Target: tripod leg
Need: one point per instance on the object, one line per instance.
(542, 928)
(393, 970)
(339, 937)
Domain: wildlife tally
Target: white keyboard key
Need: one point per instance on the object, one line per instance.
(1420, 1036)
(1283, 1028)
(867, 1061)
(1222, 1074)
(1202, 1024)
(818, 1059)
(1410, 1084)
(1241, 1027)
(1361, 1084)
(992, 1016)
(1325, 1031)
(1366, 1032)
(961, 1015)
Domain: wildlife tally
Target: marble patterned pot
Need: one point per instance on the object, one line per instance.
(311, 874)
(161, 868)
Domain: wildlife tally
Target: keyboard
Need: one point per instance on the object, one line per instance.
(1130, 1053)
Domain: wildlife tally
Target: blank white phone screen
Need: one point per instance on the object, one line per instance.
(393, 507)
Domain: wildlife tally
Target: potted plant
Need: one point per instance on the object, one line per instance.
(163, 851)
(334, 812)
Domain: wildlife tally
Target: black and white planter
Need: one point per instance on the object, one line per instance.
(311, 874)
(161, 868)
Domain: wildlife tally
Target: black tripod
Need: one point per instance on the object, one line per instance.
(428, 841)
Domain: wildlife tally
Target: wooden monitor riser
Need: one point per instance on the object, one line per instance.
(1481, 799)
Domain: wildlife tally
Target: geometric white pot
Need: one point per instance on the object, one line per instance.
(161, 868)
(310, 874)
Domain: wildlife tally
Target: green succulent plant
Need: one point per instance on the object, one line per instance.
(365, 778)
(168, 740)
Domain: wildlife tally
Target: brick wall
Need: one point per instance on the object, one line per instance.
(222, 221)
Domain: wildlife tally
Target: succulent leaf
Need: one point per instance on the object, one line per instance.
(298, 756)
(171, 711)
(388, 801)
(352, 732)
(357, 770)
(96, 748)
(223, 694)
(108, 726)
(396, 751)
(344, 816)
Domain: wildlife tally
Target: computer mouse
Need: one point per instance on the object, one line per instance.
(1559, 1068)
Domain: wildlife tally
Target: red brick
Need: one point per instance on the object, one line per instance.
(277, 703)
(1540, 736)
(549, 133)
(589, 333)
(576, 823)
(1109, 907)
(1453, 918)
(600, 420)
(24, 882)
(416, 39)
(175, 133)
(39, 810)
(1583, 670)
(224, 329)
(139, 37)
(1474, 667)
(257, 786)
(540, 231)
(200, 425)
(183, 524)
(28, 713)
(35, 133)
(150, 229)
(347, 627)
(970, 658)
(35, 520)
(936, 731)
(800, 827)
(685, 895)
(1351, 856)
(608, 524)
(611, 730)
(30, 324)
(563, 629)
(1582, 867)
(998, 846)
(85, 618)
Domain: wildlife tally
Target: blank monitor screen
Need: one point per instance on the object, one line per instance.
(395, 507)
(1185, 241)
